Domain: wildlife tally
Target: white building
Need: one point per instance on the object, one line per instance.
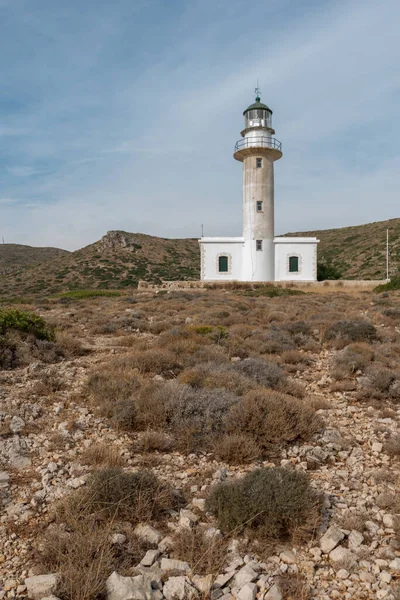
(258, 255)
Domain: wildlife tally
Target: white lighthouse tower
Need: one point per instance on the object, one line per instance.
(258, 255)
(258, 150)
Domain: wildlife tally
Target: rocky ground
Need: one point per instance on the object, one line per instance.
(47, 424)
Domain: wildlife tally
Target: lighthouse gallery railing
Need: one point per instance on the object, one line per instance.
(263, 142)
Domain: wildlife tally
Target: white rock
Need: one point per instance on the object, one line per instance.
(287, 556)
(385, 576)
(179, 588)
(395, 564)
(248, 592)
(331, 539)
(149, 558)
(273, 593)
(171, 564)
(40, 586)
(187, 518)
(128, 588)
(355, 539)
(148, 534)
(203, 584)
(341, 554)
(342, 574)
(245, 575)
(118, 538)
(377, 447)
(388, 521)
(16, 424)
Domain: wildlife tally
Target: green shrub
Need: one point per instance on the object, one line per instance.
(392, 285)
(271, 503)
(25, 322)
(327, 271)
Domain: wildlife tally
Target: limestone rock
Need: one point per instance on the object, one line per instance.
(171, 564)
(40, 586)
(128, 588)
(248, 592)
(148, 534)
(274, 593)
(331, 539)
(179, 588)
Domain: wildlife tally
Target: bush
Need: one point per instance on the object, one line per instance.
(25, 322)
(355, 357)
(346, 332)
(327, 271)
(154, 361)
(381, 383)
(263, 373)
(392, 285)
(271, 418)
(236, 449)
(271, 503)
(111, 493)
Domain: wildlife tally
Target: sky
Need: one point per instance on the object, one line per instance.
(124, 114)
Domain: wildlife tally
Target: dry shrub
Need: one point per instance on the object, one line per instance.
(392, 445)
(271, 417)
(271, 503)
(381, 383)
(70, 345)
(341, 333)
(294, 357)
(83, 556)
(155, 360)
(224, 376)
(236, 449)
(353, 520)
(49, 383)
(355, 357)
(102, 454)
(383, 476)
(111, 493)
(293, 587)
(154, 441)
(268, 374)
(205, 554)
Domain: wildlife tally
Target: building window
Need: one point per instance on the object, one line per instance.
(223, 264)
(258, 244)
(259, 163)
(259, 206)
(293, 264)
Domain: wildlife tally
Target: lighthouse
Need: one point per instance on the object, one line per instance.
(258, 256)
(258, 150)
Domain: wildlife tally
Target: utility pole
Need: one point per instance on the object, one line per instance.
(202, 230)
(387, 254)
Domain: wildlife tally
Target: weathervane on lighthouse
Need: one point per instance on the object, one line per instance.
(258, 255)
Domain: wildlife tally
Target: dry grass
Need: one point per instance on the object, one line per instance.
(294, 587)
(236, 448)
(102, 454)
(205, 554)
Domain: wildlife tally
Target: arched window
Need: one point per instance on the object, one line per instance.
(223, 264)
(293, 264)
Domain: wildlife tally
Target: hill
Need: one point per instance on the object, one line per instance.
(120, 259)
(359, 252)
(17, 256)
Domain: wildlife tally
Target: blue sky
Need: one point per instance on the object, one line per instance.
(124, 114)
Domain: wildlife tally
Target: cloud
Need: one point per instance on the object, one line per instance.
(124, 116)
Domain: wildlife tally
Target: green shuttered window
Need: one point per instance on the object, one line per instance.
(223, 264)
(293, 264)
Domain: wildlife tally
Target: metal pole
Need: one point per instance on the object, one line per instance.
(202, 230)
(387, 254)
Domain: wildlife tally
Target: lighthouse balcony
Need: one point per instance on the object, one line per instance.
(258, 142)
(266, 146)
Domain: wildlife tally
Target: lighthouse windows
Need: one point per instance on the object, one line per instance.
(259, 245)
(259, 163)
(259, 205)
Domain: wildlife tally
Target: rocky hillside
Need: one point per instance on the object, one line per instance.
(127, 441)
(16, 256)
(360, 252)
(120, 259)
